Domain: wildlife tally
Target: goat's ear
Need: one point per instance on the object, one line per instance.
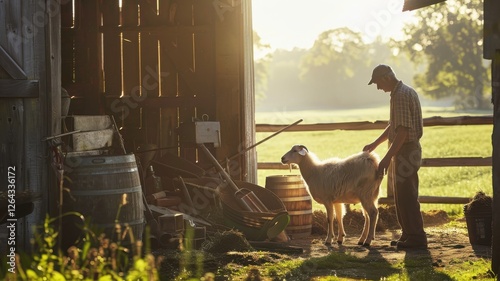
(303, 151)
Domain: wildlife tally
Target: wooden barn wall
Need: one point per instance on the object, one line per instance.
(29, 102)
(154, 65)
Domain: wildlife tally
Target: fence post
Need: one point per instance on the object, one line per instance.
(495, 80)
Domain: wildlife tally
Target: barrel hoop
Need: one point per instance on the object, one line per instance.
(299, 227)
(296, 199)
(106, 171)
(105, 191)
(290, 178)
(286, 186)
(303, 212)
(109, 225)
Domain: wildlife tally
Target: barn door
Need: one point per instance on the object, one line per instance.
(29, 101)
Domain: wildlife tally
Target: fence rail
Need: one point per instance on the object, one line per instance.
(379, 125)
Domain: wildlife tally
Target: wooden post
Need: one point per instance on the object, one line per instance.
(50, 95)
(249, 160)
(495, 80)
(228, 83)
(491, 50)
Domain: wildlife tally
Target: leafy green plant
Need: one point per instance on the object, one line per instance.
(92, 259)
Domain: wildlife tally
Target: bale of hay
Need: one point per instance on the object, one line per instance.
(320, 223)
(480, 203)
(353, 220)
(223, 242)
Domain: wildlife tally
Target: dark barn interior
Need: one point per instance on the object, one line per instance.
(156, 64)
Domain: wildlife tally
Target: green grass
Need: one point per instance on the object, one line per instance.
(346, 266)
(437, 142)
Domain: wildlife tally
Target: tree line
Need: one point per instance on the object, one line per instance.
(440, 56)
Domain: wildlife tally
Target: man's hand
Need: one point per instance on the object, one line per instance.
(383, 166)
(370, 147)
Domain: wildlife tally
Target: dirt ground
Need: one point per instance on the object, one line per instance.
(448, 244)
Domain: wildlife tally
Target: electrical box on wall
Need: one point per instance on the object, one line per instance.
(198, 132)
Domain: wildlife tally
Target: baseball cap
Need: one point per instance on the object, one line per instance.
(379, 71)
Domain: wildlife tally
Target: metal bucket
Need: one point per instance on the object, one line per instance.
(107, 190)
(293, 192)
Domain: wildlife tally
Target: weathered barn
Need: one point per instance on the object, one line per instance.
(152, 65)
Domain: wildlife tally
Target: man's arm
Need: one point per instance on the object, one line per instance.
(383, 137)
(399, 140)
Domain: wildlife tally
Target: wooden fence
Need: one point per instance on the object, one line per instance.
(380, 125)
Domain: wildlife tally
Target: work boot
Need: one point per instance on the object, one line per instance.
(401, 239)
(412, 243)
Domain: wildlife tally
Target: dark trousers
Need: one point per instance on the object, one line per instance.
(405, 181)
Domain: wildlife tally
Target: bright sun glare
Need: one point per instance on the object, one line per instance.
(285, 24)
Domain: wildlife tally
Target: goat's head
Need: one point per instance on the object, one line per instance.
(295, 155)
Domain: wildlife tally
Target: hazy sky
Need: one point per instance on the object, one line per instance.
(286, 24)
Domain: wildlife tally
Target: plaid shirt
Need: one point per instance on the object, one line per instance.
(406, 112)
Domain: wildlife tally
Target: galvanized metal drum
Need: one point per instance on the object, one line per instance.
(293, 192)
(106, 190)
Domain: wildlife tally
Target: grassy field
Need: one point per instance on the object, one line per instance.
(441, 141)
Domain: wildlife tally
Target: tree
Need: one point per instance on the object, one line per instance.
(338, 67)
(261, 68)
(447, 39)
(341, 48)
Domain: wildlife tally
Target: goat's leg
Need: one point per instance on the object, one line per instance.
(329, 217)
(364, 235)
(371, 214)
(339, 213)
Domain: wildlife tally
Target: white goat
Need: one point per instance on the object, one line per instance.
(335, 181)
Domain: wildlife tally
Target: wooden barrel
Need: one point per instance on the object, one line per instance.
(106, 190)
(293, 192)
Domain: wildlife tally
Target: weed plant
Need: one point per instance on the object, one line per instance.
(95, 258)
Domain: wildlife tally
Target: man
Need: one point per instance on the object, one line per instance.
(403, 132)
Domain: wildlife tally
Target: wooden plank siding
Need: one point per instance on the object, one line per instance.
(10, 65)
(81, 62)
(228, 75)
(180, 52)
(249, 162)
(169, 120)
(130, 44)
(160, 64)
(30, 102)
